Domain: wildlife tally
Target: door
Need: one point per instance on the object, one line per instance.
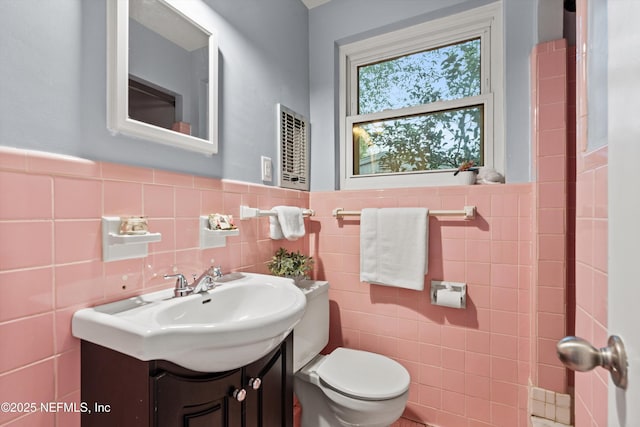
(624, 202)
(269, 402)
(623, 138)
(196, 401)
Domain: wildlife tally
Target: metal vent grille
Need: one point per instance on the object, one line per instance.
(293, 143)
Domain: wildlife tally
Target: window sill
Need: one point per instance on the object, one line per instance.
(407, 180)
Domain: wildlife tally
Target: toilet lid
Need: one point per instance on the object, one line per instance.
(364, 375)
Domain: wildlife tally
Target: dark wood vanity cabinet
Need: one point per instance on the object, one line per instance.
(119, 390)
(178, 400)
(267, 405)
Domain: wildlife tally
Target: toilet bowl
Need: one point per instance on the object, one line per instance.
(346, 387)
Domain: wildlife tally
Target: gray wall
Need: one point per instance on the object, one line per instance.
(343, 21)
(53, 83)
(53, 72)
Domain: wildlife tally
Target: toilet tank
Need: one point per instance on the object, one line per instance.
(311, 334)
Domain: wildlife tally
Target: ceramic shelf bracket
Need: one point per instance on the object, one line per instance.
(214, 238)
(116, 246)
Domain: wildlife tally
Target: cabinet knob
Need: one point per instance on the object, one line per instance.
(255, 383)
(239, 394)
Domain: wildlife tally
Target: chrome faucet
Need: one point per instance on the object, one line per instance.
(205, 282)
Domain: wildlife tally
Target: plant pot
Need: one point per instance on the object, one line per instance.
(296, 279)
(466, 178)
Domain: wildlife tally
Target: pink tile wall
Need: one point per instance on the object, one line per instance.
(468, 367)
(552, 225)
(51, 261)
(591, 388)
(591, 407)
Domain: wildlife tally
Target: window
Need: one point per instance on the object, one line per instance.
(418, 102)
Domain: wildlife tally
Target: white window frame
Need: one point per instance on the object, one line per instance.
(485, 23)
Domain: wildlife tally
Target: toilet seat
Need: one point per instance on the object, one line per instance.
(363, 375)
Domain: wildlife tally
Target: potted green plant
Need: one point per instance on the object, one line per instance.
(290, 264)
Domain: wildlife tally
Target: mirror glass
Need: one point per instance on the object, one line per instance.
(597, 96)
(162, 73)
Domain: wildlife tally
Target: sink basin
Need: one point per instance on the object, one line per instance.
(243, 318)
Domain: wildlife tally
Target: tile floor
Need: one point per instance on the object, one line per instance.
(543, 422)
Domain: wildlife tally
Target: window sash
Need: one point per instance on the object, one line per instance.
(485, 100)
(424, 57)
(414, 46)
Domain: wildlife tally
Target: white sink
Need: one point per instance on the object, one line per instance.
(243, 318)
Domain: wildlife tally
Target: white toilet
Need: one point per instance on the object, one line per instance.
(347, 387)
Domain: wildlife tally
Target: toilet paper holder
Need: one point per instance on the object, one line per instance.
(457, 287)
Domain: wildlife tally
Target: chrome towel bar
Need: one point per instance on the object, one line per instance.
(468, 212)
(247, 212)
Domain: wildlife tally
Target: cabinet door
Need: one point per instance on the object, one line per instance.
(271, 405)
(104, 371)
(196, 402)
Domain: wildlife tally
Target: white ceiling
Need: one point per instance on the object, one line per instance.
(313, 3)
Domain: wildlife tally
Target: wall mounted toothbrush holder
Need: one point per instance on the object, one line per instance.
(449, 294)
(116, 246)
(214, 238)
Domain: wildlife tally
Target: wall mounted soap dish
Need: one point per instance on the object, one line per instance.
(214, 238)
(116, 246)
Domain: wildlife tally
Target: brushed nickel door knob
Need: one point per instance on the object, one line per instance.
(578, 354)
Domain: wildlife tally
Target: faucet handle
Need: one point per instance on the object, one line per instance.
(217, 272)
(181, 281)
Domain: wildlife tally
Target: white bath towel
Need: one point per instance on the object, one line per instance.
(288, 223)
(394, 246)
(275, 231)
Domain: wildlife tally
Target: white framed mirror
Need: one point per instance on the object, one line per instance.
(162, 73)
